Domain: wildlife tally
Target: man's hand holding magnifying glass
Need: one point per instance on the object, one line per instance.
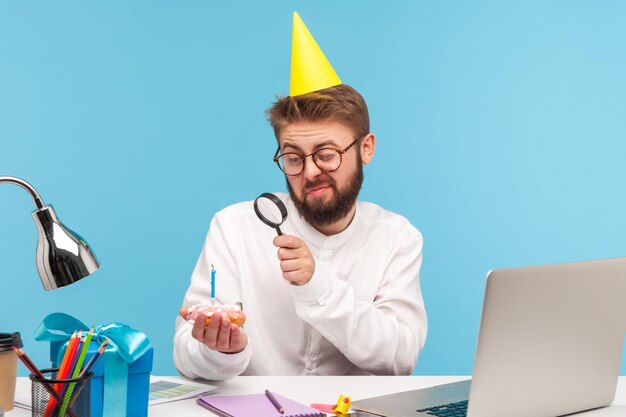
(296, 260)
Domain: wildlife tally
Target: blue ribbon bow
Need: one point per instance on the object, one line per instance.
(126, 345)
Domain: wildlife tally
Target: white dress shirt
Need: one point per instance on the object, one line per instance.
(362, 312)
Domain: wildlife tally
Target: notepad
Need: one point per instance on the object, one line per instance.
(255, 405)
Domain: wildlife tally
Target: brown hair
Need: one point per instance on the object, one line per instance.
(340, 103)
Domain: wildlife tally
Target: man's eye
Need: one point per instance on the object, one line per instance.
(292, 159)
(326, 156)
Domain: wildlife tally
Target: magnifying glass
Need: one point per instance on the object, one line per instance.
(270, 210)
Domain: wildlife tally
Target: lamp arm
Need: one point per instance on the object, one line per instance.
(34, 194)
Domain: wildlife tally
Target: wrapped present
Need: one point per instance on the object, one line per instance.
(120, 386)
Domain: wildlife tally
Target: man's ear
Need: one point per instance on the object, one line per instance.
(368, 144)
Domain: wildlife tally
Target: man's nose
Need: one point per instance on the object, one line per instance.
(311, 170)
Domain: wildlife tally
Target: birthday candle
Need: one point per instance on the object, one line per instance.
(212, 283)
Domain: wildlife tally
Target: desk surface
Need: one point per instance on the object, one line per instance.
(324, 389)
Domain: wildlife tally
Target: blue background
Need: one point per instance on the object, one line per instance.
(500, 130)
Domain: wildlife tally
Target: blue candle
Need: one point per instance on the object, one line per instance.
(212, 283)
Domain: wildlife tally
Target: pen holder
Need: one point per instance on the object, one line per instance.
(74, 392)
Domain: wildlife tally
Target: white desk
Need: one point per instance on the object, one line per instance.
(324, 389)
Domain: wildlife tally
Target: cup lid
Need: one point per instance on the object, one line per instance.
(7, 340)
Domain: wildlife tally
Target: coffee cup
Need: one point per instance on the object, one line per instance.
(8, 368)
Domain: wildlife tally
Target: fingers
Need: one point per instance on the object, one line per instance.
(287, 241)
(212, 331)
(238, 339)
(290, 247)
(219, 334)
(285, 254)
(297, 277)
(290, 265)
(299, 269)
(296, 261)
(223, 336)
(198, 329)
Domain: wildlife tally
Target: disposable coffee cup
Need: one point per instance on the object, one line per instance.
(8, 368)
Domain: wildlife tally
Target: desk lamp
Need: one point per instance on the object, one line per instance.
(63, 257)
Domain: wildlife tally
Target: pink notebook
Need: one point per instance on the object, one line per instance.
(255, 405)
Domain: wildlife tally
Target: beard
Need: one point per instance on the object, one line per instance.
(321, 213)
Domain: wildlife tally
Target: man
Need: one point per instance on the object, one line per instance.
(338, 293)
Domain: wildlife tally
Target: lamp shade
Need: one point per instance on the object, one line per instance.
(63, 257)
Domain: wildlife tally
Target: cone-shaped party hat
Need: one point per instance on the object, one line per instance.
(310, 70)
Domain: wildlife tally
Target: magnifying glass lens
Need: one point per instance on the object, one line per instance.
(270, 211)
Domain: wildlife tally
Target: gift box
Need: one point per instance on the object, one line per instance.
(120, 386)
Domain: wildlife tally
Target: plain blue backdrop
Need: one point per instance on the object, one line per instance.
(500, 135)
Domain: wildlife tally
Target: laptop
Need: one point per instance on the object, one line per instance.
(550, 344)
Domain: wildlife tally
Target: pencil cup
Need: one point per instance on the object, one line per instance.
(74, 393)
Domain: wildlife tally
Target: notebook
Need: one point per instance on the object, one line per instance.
(255, 405)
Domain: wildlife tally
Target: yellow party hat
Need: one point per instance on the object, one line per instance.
(310, 70)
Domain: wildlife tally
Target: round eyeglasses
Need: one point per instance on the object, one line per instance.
(326, 159)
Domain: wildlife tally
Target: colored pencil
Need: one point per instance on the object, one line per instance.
(71, 362)
(62, 373)
(213, 409)
(92, 362)
(66, 355)
(74, 360)
(36, 372)
(274, 401)
(70, 353)
(83, 353)
(90, 365)
(83, 347)
(27, 362)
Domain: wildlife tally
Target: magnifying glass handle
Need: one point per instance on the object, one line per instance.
(278, 231)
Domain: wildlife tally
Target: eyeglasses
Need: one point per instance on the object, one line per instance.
(326, 159)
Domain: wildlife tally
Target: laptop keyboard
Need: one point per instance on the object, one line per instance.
(458, 409)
